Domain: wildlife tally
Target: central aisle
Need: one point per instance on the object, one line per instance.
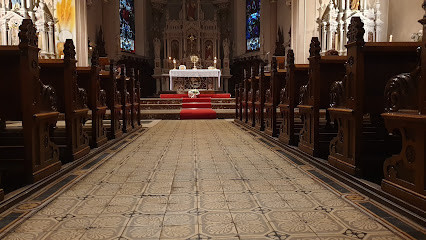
(201, 180)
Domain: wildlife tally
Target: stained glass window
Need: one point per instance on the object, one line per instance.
(127, 25)
(253, 25)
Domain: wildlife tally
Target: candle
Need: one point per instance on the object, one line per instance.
(215, 61)
(391, 38)
(174, 63)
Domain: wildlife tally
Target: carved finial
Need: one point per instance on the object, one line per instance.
(423, 20)
(315, 48)
(132, 73)
(95, 57)
(356, 31)
(290, 57)
(274, 65)
(123, 70)
(27, 34)
(261, 68)
(111, 65)
(69, 50)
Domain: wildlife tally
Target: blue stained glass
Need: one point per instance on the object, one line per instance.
(127, 25)
(15, 2)
(253, 25)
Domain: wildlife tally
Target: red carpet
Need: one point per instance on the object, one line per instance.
(197, 113)
(188, 100)
(197, 108)
(197, 105)
(221, 95)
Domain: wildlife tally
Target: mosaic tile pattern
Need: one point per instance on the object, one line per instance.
(203, 180)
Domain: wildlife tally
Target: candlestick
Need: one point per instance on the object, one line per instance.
(391, 38)
(215, 62)
(174, 63)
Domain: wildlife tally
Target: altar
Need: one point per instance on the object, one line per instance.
(203, 79)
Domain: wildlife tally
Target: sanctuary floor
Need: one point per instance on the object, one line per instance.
(205, 179)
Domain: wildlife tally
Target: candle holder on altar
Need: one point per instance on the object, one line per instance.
(194, 60)
(174, 63)
(215, 62)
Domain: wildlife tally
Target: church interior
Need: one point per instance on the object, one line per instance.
(212, 119)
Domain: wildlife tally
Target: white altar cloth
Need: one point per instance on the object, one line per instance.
(197, 73)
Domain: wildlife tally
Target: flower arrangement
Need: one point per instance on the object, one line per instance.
(193, 93)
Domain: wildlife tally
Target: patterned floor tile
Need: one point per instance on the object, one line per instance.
(201, 180)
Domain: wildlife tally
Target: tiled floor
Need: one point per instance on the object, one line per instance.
(202, 180)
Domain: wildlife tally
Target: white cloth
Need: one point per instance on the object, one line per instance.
(198, 73)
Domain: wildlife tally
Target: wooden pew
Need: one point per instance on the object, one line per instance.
(318, 130)
(405, 101)
(89, 79)
(272, 98)
(109, 84)
(263, 83)
(254, 86)
(73, 141)
(134, 99)
(237, 101)
(240, 109)
(297, 75)
(138, 99)
(245, 98)
(357, 101)
(27, 153)
(126, 105)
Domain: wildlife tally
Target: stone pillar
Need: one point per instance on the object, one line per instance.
(51, 40)
(82, 48)
(3, 32)
(324, 37)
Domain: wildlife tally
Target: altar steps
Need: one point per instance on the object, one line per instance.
(170, 108)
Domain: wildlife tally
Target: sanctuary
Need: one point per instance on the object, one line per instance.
(189, 35)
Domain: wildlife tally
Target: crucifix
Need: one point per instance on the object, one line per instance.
(192, 44)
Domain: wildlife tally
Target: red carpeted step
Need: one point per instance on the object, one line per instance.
(197, 114)
(219, 95)
(186, 100)
(196, 105)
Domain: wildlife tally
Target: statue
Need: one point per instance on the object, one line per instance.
(157, 48)
(225, 48)
(209, 50)
(191, 9)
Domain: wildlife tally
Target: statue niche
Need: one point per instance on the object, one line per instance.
(175, 49)
(191, 10)
(208, 50)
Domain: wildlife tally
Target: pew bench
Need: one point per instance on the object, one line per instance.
(297, 75)
(28, 114)
(317, 132)
(358, 102)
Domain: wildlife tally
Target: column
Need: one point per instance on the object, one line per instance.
(273, 24)
(324, 37)
(51, 38)
(81, 27)
(42, 34)
(3, 33)
(330, 38)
